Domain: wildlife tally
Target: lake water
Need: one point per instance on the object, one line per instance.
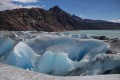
(108, 33)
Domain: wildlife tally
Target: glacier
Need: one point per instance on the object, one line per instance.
(76, 48)
(54, 63)
(17, 54)
(102, 63)
(5, 45)
(8, 72)
(21, 56)
(57, 55)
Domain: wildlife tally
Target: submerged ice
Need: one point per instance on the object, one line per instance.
(58, 55)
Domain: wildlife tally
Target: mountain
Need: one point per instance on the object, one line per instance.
(54, 19)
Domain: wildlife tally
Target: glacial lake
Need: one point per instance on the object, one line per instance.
(108, 33)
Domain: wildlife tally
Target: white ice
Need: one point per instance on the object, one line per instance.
(54, 63)
(57, 55)
(16, 53)
(76, 48)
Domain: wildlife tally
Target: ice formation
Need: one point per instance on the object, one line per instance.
(5, 45)
(21, 56)
(57, 55)
(76, 48)
(103, 62)
(54, 63)
(16, 53)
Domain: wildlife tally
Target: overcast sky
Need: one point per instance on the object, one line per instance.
(91, 9)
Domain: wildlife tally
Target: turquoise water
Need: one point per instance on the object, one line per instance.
(108, 33)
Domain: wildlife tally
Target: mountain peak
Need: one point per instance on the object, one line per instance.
(56, 9)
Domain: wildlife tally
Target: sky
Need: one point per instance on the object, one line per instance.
(87, 9)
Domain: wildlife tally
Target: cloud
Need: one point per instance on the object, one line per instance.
(80, 15)
(117, 21)
(25, 1)
(29, 6)
(8, 5)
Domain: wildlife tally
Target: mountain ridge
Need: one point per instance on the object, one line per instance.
(54, 19)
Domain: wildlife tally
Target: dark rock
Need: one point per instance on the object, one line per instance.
(54, 19)
(111, 52)
(113, 71)
(103, 38)
(100, 37)
(114, 45)
(115, 40)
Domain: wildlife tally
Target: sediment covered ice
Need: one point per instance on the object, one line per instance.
(102, 63)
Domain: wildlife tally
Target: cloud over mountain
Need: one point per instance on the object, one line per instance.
(25, 1)
(8, 4)
(117, 21)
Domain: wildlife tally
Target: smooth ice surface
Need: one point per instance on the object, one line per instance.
(21, 56)
(54, 63)
(6, 44)
(16, 53)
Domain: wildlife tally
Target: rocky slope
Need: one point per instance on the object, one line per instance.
(54, 19)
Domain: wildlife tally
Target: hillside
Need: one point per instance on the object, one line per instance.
(54, 19)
